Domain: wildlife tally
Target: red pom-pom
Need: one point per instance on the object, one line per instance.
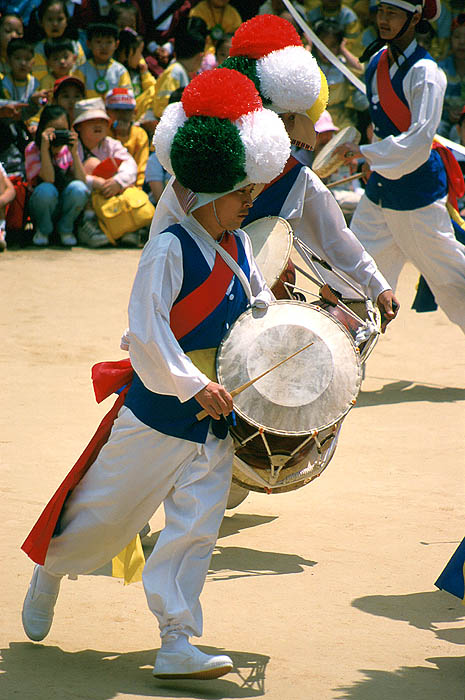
(263, 34)
(222, 93)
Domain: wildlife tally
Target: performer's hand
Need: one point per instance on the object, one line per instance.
(348, 151)
(389, 306)
(215, 400)
(366, 172)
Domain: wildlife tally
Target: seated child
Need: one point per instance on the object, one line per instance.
(54, 168)
(101, 72)
(66, 92)
(11, 27)
(7, 195)
(120, 106)
(220, 17)
(129, 54)
(53, 22)
(189, 47)
(125, 16)
(100, 151)
(61, 60)
(19, 85)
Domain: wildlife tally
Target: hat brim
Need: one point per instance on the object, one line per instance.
(70, 80)
(91, 114)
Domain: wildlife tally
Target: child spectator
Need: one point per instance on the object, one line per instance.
(344, 17)
(123, 15)
(345, 101)
(222, 49)
(53, 19)
(66, 92)
(454, 68)
(54, 168)
(156, 176)
(101, 72)
(95, 148)
(11, 27)
(7, 195)
(19, 85)
(120, 105)
(61, 60)
(220, 17)
(189, 47)
(129, 54)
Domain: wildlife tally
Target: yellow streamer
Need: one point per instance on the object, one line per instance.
(130, 562)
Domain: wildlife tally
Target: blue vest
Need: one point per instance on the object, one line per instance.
(424, 185)
(168, 414)
(270, 201)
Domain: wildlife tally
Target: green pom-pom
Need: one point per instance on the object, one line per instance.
(208, 155)
(248, 67)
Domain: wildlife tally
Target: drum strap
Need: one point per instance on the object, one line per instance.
(229, 260)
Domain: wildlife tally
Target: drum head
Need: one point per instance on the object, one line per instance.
(271, 239)
(327, 162)
(311, 391)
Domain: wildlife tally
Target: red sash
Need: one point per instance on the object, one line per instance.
(400, 115)
(108, 377)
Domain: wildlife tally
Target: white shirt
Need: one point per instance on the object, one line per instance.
(424, 86)
(155, 353)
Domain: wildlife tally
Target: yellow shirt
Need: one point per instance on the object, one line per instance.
(228, 18)
(145, 98)
(137, 144)
(171, 79)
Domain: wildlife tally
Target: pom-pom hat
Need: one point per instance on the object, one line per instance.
(268, 49)
(219, 137)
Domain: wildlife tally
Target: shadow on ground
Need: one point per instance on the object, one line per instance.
(401, 391)
(441, 681)
(48, 673)
(422, 610)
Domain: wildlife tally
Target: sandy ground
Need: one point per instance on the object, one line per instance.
(326, 592)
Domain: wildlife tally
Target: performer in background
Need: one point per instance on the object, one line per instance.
(268, 49)
(192, 283)
(403, 214)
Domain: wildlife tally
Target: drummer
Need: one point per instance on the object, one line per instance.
(192, 282)
(268, 49)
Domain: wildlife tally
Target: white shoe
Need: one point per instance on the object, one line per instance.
(38, 608)
(190, 662)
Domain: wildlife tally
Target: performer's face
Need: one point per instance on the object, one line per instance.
(232, 208)
(390, 21)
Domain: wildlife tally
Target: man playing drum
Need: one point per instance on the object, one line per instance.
(192, 283)
(268, 50)
(403, 215)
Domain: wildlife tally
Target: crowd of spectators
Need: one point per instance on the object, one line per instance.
(84, 82)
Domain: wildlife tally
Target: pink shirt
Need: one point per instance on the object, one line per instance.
(63, 159)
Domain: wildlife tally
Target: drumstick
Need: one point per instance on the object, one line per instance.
(203, 414)
(344, 180)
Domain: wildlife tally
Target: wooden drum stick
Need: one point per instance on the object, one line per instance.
(203, 414)
(344, 180)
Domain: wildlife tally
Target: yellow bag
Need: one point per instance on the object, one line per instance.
(123, 213)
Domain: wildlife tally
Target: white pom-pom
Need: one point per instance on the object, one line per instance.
(290, 78)
(266, 143)
(172, 119)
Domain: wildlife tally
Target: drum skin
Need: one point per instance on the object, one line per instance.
(296, 410)
(272, 241)
(327, 161)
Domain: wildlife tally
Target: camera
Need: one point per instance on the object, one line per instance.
(62, 137)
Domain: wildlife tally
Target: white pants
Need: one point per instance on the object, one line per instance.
(424, 237)
(137, 470)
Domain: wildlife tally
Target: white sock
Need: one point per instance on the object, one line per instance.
(47, 583)
(175, 641)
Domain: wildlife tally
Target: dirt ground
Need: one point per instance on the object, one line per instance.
(326, 592)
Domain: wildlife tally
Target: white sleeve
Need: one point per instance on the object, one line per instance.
(318, 221)
(395, 156)
(155, 353)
